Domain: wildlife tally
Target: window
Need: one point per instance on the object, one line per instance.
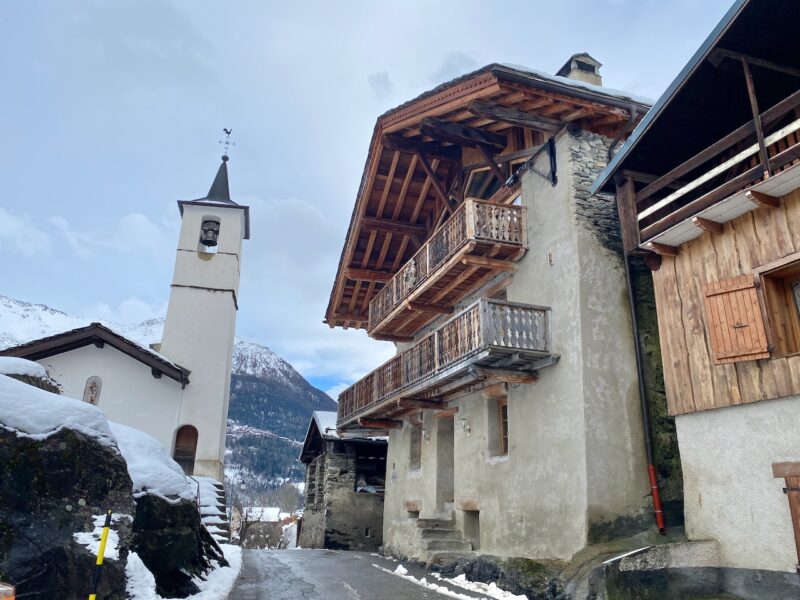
(502, 410)
(185, 448)
(91, 393)
(782, 298)
(481, 184)
(415, 452)
(497, 440)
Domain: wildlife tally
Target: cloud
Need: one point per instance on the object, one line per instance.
(20, 235)
(380, 84)
(455, 64)
(132, 233)
(130, 311)
(337, 389)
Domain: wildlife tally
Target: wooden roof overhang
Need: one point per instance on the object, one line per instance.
(690, 163)
(98, 335)
(412, 174)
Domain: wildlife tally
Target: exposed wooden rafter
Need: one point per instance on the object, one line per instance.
(395, 141)
(461, 134)
(513, 116)
(435, 184)
(707, 225)
(387, 225)
(355, 274)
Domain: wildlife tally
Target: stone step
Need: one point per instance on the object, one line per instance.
(443, 557)
(441, 534)
(436, 523)
(449, 545)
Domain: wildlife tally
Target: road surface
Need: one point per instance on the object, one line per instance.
(328, 575)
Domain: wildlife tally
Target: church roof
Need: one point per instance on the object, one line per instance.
(219, 195)
(99, 335)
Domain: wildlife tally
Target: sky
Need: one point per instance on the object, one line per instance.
(112, 111)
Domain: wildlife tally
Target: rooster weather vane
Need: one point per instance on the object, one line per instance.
(227, 142)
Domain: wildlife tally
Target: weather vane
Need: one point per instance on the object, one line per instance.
(227, 143)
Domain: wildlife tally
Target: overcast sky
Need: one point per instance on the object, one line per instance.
(111, 111)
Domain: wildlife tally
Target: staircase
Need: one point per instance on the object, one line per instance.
(211, 499)
(443, 543)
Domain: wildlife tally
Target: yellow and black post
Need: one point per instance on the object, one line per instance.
(98, 565)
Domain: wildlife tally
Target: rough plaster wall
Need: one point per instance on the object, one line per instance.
(616, 465)
(729, 492)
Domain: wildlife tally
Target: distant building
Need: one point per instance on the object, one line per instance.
(708, 192)
(178, 391)
(344, 488)
(511, 406)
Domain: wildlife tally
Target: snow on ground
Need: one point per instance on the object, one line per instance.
(490, 589)
(11, 365)
(402, 572)
(218, 584)
(289, 536)
(150, 467)
(38, 414)
(91, 539)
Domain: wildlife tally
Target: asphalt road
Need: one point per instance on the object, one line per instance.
(327, 575)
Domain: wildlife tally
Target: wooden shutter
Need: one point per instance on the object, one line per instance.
(734, 320)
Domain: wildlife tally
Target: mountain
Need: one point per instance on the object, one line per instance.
(270, 406)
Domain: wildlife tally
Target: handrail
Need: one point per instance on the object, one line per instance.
(473, 220)
(483, 324)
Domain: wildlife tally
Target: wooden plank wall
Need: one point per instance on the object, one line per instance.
(693, 382)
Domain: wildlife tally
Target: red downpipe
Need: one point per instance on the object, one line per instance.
(648, 440)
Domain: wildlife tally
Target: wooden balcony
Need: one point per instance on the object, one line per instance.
(490, 339)
(746, 169)
(476, 242)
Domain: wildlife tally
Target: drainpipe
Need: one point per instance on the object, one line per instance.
(648, 439)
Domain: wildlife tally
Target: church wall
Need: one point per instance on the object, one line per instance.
(129, 393)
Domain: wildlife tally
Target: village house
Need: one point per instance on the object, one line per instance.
(708, 192)
(345, 480)
(512, 405)
(178, 390)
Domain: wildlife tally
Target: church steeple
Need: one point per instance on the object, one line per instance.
(219, 191)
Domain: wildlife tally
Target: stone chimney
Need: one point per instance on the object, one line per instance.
(583, 68)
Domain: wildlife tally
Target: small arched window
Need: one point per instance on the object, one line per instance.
(91, 393)
(185, 448)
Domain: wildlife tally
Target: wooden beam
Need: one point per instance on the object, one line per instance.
(489, 263)
(648, 178)
(429, 308)
(391, 338)
(461, 134)
(707, 225)
(366, 275)
(437, 187)
(413, 403)
(379, 423)
(507, 375)
(577, 114)
(387, 226)
(395, 141)
(446, 414)
(495, 391)
(759, 62)
(662, 249)
(490, 159)
(762, 199)
(626, 207)
(337, 316)
(751, 93)
(513, 116)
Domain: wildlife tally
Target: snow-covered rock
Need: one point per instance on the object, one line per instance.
(11, 365)
(152, 470)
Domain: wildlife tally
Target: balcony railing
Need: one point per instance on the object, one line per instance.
(475, 228)
(486, 332)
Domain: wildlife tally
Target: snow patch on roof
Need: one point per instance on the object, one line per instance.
(326, 423)
(150, 467)
(32, 412)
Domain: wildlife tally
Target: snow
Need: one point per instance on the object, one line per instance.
(402, 572)
(580, 84)
(300, 485)
(264, 514)
(326, 423)
(141, 584)
(91, 539)
(38, 414)
(150, 467)
(11, 365)
(490, 589)
(289, 536)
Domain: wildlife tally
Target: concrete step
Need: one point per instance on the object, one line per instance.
(449, 545)
(440, 534)
(443, 557)
(436, 523)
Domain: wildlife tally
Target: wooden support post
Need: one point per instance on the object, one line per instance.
(751, 92)
(762, 199)
(626, 207)
(379, 423)
(707, 225)
(437, 187)
(662, 249)
(488, 156)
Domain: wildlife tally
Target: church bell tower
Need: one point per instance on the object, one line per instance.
(201, 321)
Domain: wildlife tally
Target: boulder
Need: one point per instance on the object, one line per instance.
(50, 490)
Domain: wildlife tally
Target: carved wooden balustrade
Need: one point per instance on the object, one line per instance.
(478, 240)
(486, 334)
